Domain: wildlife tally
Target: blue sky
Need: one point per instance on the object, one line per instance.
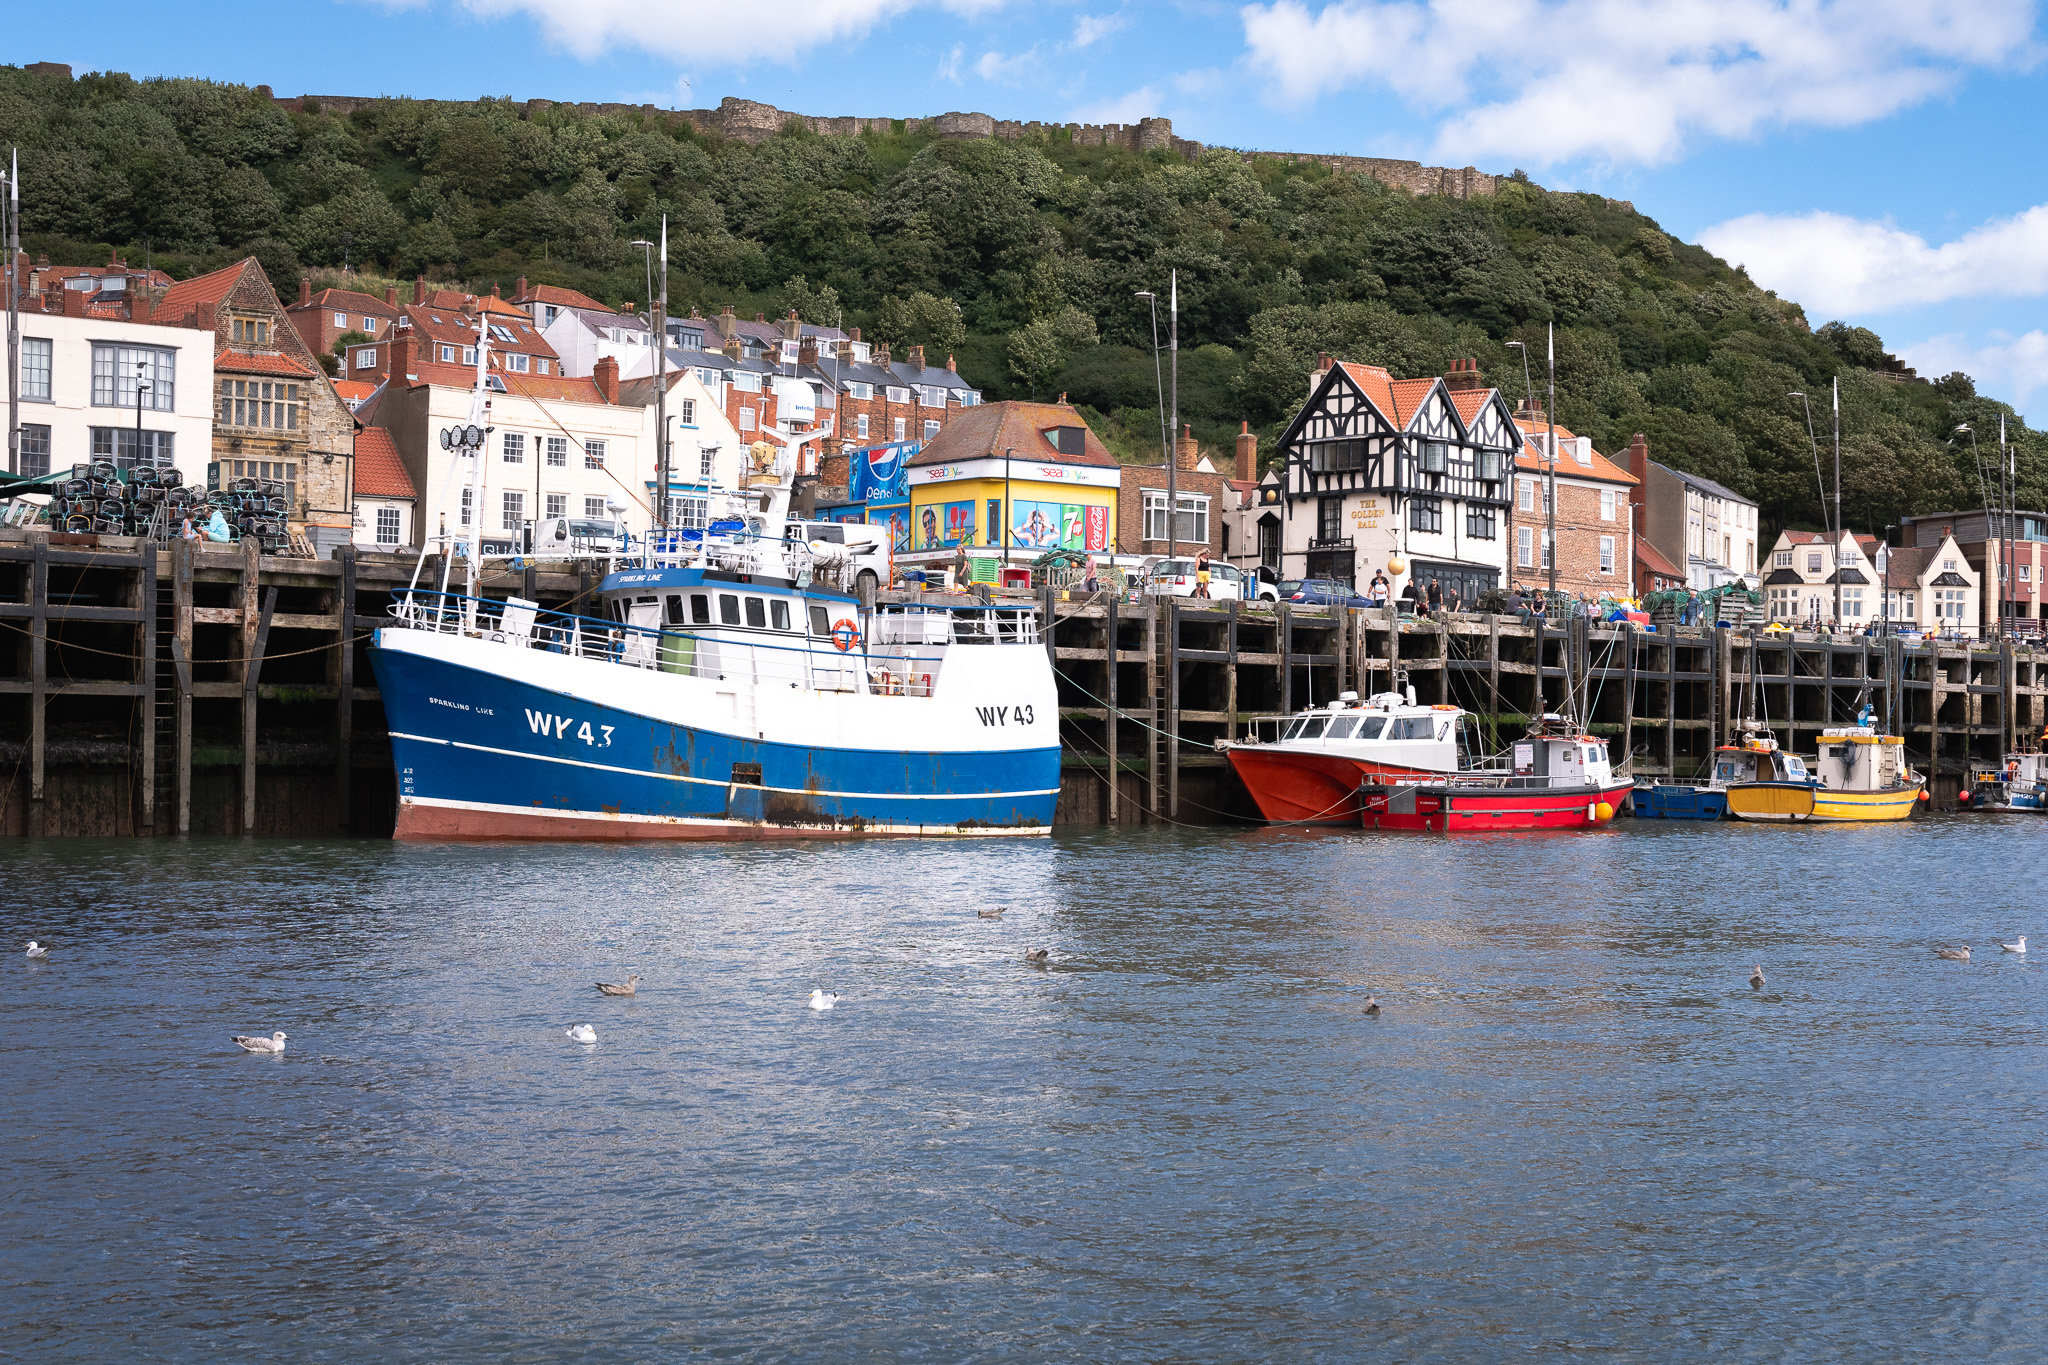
(1879, 161)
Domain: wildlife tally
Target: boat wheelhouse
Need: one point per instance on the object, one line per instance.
(1756, 757)
(2018, 784)
(1859, 776)
(1307, 768)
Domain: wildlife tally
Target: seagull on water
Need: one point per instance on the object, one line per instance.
(582, 1033)
(1953, 954)
(2020, 947)
(1756, 978)
(630, 987)
(1036, 957)
(996, 913)
(36, 949)
(1372, 1006)
(274, 1043)
(824, 1000)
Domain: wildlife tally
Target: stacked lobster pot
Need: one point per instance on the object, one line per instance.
(256, 507)
(144, 500)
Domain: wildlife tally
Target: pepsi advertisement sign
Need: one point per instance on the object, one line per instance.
(879, 473)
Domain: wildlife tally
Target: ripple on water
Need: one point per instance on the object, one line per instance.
(1573, 1129)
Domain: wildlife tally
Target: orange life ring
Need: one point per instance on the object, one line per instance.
(845, 634)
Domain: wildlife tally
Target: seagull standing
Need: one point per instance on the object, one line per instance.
(1953, 954)
(631, 986)
(36, 949)
(274, 1043)
(824, 1000)
(2020, 947)
(1372, 1006)
(582, 1033)
(1756, 978)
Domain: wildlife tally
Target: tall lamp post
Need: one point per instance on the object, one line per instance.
(660, 320)
(1514, 482)
(1834, 532)
(1165, 445)
(1994, 519)
(142, 386)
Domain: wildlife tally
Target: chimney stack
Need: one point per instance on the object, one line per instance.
(1186, 450)
(726, 322)
(916, 354)
(398, 360)
(882, 354)
(792, 327)
(519, 288)
(419, 288)
(951, 365)
(391, 296)
(305, 291)
(807, 351)
(494, 290)
(1247, 452)
(606, 376)
(732, 348)
(1463, 374)
(853, 334)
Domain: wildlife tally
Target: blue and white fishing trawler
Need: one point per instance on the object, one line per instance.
(724, 688)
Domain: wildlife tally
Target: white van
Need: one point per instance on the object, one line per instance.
(574, 537)
(861, 567)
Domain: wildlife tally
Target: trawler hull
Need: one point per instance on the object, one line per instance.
(1297, 787)
(494, 742)
(1451, 809)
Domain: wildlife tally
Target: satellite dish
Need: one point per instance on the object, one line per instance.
(799, 401)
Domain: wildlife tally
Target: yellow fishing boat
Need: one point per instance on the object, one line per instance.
(1860, 776)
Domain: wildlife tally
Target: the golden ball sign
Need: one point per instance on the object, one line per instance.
(1396, 566)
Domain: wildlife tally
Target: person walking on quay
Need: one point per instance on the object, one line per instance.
(1202, 573)
(960, 572)
(1377, 592)
(1436, 596)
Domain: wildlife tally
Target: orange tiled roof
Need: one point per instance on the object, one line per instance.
(553, 388)
(1469, 402)
(242, 362)
(991, 428)
(347, 300)
(561, 298)
(184, 296)
(354, 390)
(379, 471)
(1531, 457)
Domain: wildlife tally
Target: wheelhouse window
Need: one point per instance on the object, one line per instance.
(728, 609)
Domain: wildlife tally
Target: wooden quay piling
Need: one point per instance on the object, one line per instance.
(203, 689)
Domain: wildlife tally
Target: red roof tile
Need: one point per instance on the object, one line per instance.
(354, 390)
(184, 296)
(1534, 437)
(379, 471)
(241, 362)
(1647, 556)
(347, 300)
(549, 387)
(991, 428)
(561, 298)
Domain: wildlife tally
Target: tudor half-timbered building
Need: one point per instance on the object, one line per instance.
(1407, 474)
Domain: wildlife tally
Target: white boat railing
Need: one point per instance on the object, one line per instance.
(818, 666)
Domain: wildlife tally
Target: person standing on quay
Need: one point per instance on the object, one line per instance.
(1202, 573)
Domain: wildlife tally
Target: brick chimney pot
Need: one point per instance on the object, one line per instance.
(305, 290)
(606, 376)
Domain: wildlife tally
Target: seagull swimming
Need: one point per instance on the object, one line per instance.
(2020, 947)
(36, 949)
(1756, 978)
(1372, 1006)
(824, 1000)
(631, 986)
(274, 1043)
(1953, 954)
(1036, 957)
(996, 913)
(582, 1033)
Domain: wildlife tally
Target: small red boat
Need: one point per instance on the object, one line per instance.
(1554, 778)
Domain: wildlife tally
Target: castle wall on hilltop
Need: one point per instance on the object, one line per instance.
(751, 121)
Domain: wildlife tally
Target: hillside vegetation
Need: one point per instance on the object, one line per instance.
(1023, 259)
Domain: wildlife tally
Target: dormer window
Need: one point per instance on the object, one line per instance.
(859, 390)
(1071, 441)
(896, 394)
(860, 351)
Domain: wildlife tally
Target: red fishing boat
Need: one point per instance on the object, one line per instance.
(1553, 778)
(1307, 768)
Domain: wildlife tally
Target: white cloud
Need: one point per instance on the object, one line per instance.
(949, 65)
(1632, 81)
(1844, 267)
(2014, 367)
(1090, 28)
(707, 34)
(1139, 104)
(1015, 69)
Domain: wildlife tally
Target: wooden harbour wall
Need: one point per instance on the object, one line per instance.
(207, 690)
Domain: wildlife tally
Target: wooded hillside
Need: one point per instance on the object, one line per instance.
(1023, 259)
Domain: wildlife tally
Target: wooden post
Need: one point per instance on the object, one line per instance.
(1109, 699)
(1628, 692)
(1173, 708)
(182, 552)
(39, 680)
(1493, 681)
(145, 677)
(252, 670)
(1152, 783)
(1230, 678)
(1283, 634)
(250, 594)
(345, 702)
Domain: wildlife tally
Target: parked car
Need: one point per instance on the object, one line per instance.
(1328, 592)
(1263, 585)
(1176, 578)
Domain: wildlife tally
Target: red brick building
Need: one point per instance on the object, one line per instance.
(326, 317)
(443, 325)
(1205, 497)
(1595, 549)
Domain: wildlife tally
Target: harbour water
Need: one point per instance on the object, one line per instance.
(1574, 1130)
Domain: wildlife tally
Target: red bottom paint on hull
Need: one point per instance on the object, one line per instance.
(447, 824)
(1440, 810)
(1297, 788)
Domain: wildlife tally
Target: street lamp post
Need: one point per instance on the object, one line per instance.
(142, 386)
(1514, 481)
(1834, 532)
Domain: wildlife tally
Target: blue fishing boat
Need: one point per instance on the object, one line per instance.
(725, 687)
